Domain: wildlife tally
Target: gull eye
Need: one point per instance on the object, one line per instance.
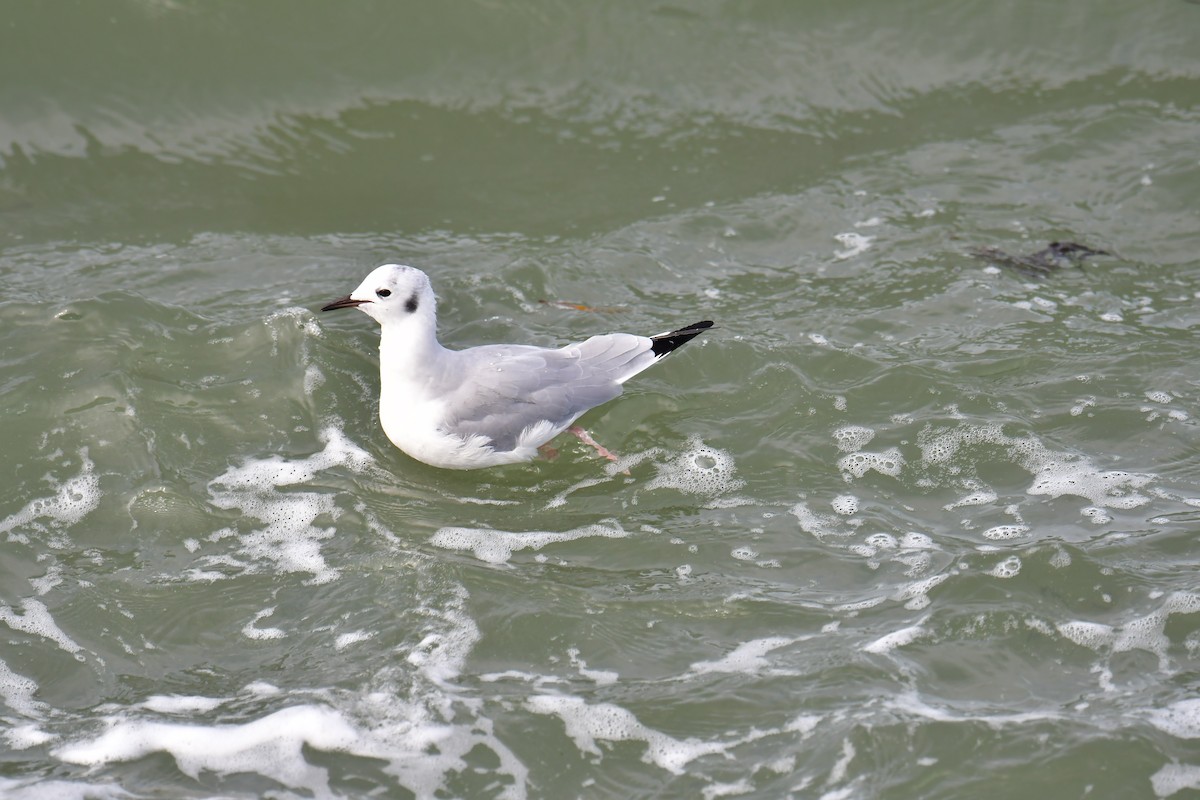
(384, 292)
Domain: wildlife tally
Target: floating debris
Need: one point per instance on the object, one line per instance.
(584, 307)
(1058, 255)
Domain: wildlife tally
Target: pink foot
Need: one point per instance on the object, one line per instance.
(586, 438)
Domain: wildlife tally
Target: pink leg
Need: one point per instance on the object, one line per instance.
(587, 439)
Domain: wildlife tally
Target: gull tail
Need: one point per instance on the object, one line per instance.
(664, 343)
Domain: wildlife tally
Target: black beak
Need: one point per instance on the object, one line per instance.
(345, 302)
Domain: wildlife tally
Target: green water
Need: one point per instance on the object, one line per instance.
(909, 523)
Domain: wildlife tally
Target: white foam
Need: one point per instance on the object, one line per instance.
(1180, 719)
(890, 641)
(37, 620)
(607, 722)
(181, 704)
(1159, 396)
(860, 463)
(700, 469)
(73, 499)
(980, 496)
(1001, 532)
(855, 243)
(17, 693)
(46, 582)
(39, 788)
(288, 538)
(845, 504)
(497, 547)
(1008, 568)
(251, 631)
(1054, 474)
(811, 522)
(916, 594)
(715, 790)
(1140, 633)
(838, 773)
(602, 677)
(344, 640)
(850, 438)
(1171, 779)
(271, 746)
(1112, 489)
(747, 657)
(917, 541)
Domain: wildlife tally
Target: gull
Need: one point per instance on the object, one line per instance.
(492, 404)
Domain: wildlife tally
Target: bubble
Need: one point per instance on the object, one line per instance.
(845, 504)
(859, 464)
(1008, 568)
(882, 541)
(1001, 532)
(497, 547)
(701, 469)
(852, 437)
(73, 500)
(916, 541)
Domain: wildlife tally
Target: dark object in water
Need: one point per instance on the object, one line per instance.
(1058, 255)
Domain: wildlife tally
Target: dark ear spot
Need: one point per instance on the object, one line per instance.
(410, 305)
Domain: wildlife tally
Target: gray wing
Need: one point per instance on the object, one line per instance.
(504, 389)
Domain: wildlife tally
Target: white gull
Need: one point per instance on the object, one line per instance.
(492, 404)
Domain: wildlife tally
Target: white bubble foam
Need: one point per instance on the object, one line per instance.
(744, 553)
(700, 469)
(17, 693)
(1159, 396)
(37, 620)
(859, 464)
(1180, 719)
(288, 538)
(1098, 515)
(748, 657)
(889, 642)
(852, 437)
(811, 522)
(1171, 779)
(73, 499)
(497, 547)
(1008, 568)
(39, 788)
(979, 497)
(602, 677)
(855, 243)
(1112, 489)
(1054, 474)
(271, 746)
(1140, 633)
(1001, 532)
(845, 504)
(251, 631)
(344, 640)
(181, 704)
(916, 541)
(607, 722)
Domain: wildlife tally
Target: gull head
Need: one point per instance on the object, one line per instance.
(391, 294)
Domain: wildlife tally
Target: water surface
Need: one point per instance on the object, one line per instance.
(910, 523)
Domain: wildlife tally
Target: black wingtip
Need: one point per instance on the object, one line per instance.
(666, 342)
